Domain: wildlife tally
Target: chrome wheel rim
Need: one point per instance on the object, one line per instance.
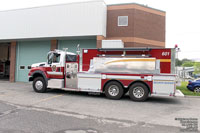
(197, 90)
(39, 85)
(113, 90)
(138, 92)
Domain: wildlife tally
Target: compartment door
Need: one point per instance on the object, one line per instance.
(89, 82)
(71, 75)
(164, 85)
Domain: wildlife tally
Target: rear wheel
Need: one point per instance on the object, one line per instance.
(39, 85)
(197, 89)
(114, 90)
(138, 92)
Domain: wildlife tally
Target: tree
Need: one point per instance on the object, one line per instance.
(186, 60)
(197, 68)
(188, 64)
(178, 62)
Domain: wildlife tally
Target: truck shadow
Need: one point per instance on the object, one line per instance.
(158, 100)
(75, 93)
(164, 100)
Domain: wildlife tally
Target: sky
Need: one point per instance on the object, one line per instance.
(182, 20)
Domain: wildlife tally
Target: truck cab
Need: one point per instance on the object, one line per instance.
(60, 66)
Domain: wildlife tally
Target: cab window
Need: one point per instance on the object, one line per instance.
(53, 58)
(71, 58)
(56, 58)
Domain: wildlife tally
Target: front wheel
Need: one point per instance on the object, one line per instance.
(39, 85)
(114, 90)
(138, 92)
(197, 89)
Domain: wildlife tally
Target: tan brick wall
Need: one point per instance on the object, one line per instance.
(12, 60)
(149, 26)
(54, 44)
(113, 30)
(146, 26)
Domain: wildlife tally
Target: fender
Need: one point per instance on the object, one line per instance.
(196, 85)
(102, 89)
(31, 78)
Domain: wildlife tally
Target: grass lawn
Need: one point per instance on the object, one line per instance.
(185, 91)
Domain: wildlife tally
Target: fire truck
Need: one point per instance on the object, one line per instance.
(142, 72)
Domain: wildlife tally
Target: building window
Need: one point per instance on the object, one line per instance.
(22, 67)
(122, 20)
(28, 67)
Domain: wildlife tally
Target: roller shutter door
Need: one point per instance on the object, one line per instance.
(72, 44)
(29, 52)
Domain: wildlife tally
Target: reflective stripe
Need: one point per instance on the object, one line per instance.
(130, 60)
(55, 73)
(122, 77)
(165, 60)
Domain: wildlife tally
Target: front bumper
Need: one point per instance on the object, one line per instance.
(190, 87)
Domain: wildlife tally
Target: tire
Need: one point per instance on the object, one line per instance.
(197, 89)
(39, 85)
(138, 92)
(114, 90)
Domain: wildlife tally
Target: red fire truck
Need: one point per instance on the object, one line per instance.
(114, 71)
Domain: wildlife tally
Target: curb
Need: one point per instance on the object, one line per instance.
(179, 94)
(187, 96)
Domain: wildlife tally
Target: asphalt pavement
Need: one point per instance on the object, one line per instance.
(24, 111)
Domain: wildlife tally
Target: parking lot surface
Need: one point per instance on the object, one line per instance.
(23, 110)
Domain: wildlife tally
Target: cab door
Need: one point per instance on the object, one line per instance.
(55, 69)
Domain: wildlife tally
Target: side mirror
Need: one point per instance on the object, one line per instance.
(48, 61)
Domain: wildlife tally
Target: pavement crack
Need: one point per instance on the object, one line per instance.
(123, 123)
(8, 112)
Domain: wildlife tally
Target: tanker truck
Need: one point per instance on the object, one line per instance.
(142, 72)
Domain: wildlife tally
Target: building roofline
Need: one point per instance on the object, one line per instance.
(48, 38)
(133, 3)
(78, 2)
(60, 4)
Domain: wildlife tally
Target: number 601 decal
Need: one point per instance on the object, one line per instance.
(165, 53)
